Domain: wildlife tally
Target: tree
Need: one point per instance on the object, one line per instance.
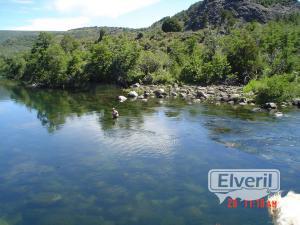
(100, 62)
(243, 55)
(102, 33)
(126, 55)
(69, 44)
(14, 67)
(149, 63)
(47, 63)
(77, 75)
(43, 42)
(171, 25)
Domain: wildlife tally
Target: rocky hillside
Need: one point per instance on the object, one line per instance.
(217, 12)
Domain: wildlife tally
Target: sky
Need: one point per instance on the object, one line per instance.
(61, 15)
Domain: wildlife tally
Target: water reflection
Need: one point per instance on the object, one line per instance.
(148, 167)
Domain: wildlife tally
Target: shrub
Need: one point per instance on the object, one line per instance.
(275, 89)
(171, 25)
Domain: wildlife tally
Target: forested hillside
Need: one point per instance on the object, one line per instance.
(263, 55)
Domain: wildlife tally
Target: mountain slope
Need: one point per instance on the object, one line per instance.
(216, 12)
(207, 13)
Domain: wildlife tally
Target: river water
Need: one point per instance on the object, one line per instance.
(64, 161)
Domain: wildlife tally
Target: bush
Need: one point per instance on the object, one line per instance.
(113, 61)
(191, 72)
(171, 25)
(243, 55)
(275, 89)
(13, 68)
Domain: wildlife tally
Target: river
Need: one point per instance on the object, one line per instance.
(64, 161)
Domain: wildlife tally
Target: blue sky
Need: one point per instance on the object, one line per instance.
(68, 14)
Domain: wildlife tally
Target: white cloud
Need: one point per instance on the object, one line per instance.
(101, 8)
(23, 1)
(55, 24)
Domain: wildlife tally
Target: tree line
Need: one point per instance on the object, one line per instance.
(243, 54)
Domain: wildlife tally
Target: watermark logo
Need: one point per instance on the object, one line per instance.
(246, 185)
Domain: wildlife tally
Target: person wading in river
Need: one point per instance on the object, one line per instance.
(115, 113)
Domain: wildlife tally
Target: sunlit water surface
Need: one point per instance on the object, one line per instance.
(64, 161)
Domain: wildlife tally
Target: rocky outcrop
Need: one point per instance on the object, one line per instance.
(218, 12)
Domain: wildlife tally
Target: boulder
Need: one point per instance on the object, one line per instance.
(270, 105)
(278, 114)
(146, 94)
(133, 94)
(174, 94)
(201, 94)
(159, 92)
(183, 95)
(137, 85)
(122, 98)
(296, 102)
(234, 97)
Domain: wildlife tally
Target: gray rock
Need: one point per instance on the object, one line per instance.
(211, 92)
(133, 94)
(278, 114)
(137, 85)
(270, 105)
(146, 94)
(174, 94)
(296, 102)
(234, 97)
(201, 94)
(182, 95)
(231, 102)
(257, 110)
(122, 98)
(196, 101)
(159, 92)
(242, 11)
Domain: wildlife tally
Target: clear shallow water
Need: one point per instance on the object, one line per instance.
(64, 161)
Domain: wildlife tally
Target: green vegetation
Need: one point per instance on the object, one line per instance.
(277, 88)
(273, 2)
(171, 25)
(265, 54)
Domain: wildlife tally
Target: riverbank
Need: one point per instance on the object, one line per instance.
(220, 94)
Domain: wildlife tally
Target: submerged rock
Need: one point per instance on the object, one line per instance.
(45, 199)
(257, 110)
(278, 114)
(3, 222)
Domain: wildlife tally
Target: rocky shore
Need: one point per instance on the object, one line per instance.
(232, 95)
